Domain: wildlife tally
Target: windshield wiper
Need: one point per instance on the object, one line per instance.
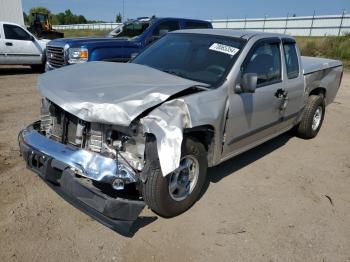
(177, 73)
(174, 72)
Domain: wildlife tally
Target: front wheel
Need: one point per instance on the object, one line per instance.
(173, 194)
(38, 68)
(312, 119)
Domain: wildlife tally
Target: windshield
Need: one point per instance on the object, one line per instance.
(41, 17)
(199, 57)
(129, 30)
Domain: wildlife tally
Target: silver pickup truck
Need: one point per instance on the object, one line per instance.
(114, 137)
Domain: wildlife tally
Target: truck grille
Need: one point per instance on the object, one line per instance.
(96, 137)
(65, 128)
(55, 56)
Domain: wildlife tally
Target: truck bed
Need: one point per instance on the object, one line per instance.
(322, 73)
(313, 64)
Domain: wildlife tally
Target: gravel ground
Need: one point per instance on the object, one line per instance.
(287, 200)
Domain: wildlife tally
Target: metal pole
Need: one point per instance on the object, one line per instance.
(123, 19)
(226, 22)
(312, 23)
(264, 23)
(285, 27)
(245, 22)
(341, 22)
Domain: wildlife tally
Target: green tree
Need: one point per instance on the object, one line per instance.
(69, 17)
(60, 18)
(63, 18)
(81, 19)
(118, 18)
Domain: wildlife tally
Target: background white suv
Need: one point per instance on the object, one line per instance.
(19, 47)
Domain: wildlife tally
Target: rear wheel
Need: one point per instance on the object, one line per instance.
(173, 194)
(312, 119)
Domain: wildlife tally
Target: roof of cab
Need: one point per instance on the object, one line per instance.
(183, 19)
(9, 23)
(155, 18)
(233, 33)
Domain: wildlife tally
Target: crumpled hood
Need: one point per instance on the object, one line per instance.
(111, 93)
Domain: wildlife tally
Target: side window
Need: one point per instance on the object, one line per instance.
(291, 57)
(196, 25)
(265, 61)
(15, 33)
(164, 27)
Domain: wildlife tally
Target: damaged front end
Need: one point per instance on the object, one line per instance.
(121, 147)
(95, 166)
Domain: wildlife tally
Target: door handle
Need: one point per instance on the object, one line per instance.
(281, 93)
(9, 44)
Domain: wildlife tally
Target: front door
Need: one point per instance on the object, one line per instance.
(253, 117)
(2, 47)
(20, 46)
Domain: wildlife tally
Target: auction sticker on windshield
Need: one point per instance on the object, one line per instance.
(224, 49)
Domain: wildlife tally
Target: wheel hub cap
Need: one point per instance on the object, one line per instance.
(316, 121)
(184, 179)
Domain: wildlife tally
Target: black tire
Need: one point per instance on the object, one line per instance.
(155, 190)
(304, 128)
(38, 68)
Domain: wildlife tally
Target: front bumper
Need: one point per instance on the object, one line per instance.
(49, 67)
(52, 161)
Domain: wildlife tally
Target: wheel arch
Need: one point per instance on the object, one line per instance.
(319, 91)
(205, 135)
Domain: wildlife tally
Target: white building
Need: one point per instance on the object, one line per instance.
(11, 11)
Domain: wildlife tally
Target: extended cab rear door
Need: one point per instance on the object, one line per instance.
(293, 84)
(254, 117)
(20, 46)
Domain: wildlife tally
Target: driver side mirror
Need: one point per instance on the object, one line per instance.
(248, 83)
(31, 38)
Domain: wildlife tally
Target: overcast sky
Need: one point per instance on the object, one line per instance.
(203, 9)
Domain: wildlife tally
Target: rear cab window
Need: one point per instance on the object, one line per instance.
(291, 59)
(166, 26)
(196, 25)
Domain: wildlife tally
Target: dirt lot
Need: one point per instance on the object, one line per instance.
(287, 200)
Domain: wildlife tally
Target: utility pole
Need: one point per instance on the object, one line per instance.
(312, 23)
(341, 22)
(286, 25)
(264, 22)
(123, 20)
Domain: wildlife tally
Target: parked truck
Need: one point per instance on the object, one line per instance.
(115, 137)
(120, 45)
(19, 47)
